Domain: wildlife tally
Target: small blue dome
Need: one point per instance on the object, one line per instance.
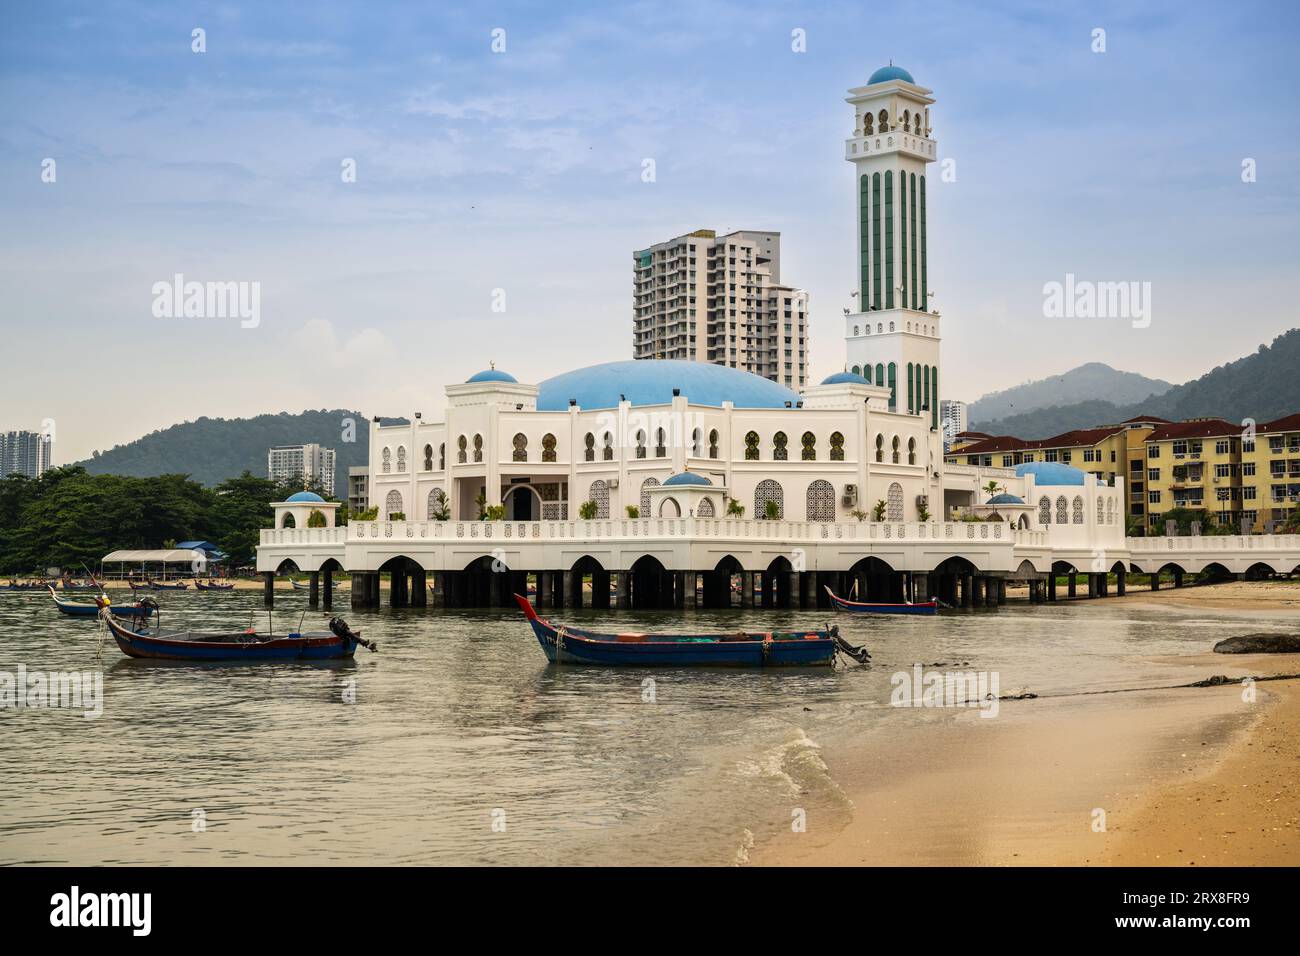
(305, 496)
(1050, 473)
(687, 478)
(841, 377)
(651, 382)
(491, 375)
(890, 72)
(1005, 499)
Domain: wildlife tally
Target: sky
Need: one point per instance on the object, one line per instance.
(514, 177)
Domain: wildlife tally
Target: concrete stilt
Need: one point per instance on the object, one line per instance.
(623, 589)
(358, 594)
(746, 589)
(1121, 582)
(991, 592)
(313, 589)
(268, 588)
(327, 589)
(1178, 577)
(1155, 581)
(1051, 586)
(1002, 590)
(419, 589)
(1072, 584)
(679, 589)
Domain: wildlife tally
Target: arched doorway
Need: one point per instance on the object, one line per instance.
(650, 585)
(523, 503)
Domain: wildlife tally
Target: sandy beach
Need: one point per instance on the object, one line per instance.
(1149, 777)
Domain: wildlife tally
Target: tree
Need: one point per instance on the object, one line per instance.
(588, 510)
(633, 511)
(771, 510)
(878, 510)
(735, 509)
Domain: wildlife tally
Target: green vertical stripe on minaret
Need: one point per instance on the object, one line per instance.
(911, 205)
(893, 369)
(934, 404)
(875, 240)
(925, 288)
(889, 239)
(911, 383)
(864, 216)
(902, 233)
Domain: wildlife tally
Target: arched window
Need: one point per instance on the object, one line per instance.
(809, 442)
(289, 521)
(1101, 510)
(894, 503)
(521, 447)
(1078, 509)
(713, 443)
(640, 444)
(548, 447)
(768, 490)
(609, 446)
(837, 446)
(435, 504)
(442, 456)
(911, 451)
(1062, 510)
(857, 370)
(894, 447)
(669, 508)
(856, 329)
(393, 504)
(867, 124)
(820, 503)
(883, 117)
(1044, 510)
(661, 443)
(907, 121)
(388, 460)
(751, 446)
(645, 495)
(401, 459)
(779, 442)
(428, 458)
(589, 447)
(697, 443)
(460, 450)
(891, 328)
(478, 447)
(1110, 511)
(880, 448)
(705, 508)
(599, 493)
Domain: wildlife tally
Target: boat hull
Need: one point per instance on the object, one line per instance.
(568, 645)
(304, 647)
(866, 607)
(75, 609)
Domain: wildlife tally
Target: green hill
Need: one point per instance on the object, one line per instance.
(1264, 385)
(1080, 384)
(211, 450)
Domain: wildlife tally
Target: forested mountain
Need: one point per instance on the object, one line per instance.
(1264, 386)
(1077, 385)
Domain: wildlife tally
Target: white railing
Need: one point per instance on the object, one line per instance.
(1216, 542)
(304, 535)
(749, 529)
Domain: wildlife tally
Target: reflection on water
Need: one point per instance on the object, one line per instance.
(464, 746)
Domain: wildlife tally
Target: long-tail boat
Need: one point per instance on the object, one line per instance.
(213, 586)
(159, 586)
(571, 645)
(339, 642)
(137, 609)
(870, 607)
(300, 585)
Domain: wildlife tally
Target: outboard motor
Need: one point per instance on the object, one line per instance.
(859, 654)
(340, 629)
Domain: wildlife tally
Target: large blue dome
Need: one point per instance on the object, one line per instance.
(1050, 473)
(890, 72)
(651, 382)
(491, 375)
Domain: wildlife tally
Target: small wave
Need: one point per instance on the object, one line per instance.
(746, 844)
(796, 764)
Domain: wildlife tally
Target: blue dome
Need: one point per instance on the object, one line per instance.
(651, 382)
(1005, 499)
(890, 72)
(842, 377)
(491, 375)
(687, 478)
(305, 496)
(1050, 473)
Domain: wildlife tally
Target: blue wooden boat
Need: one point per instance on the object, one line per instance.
(571, 645)
(134, 640)
(300, 585)
(212, 587)
(136, 610)
(866, 607)
(78, 586)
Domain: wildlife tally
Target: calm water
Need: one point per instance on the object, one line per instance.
(459, 722)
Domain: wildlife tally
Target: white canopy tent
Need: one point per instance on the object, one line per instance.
(190, 561)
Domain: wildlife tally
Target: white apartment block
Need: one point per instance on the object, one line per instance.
(310, 463)
(952, 419)
(707, 298)
(25, 453)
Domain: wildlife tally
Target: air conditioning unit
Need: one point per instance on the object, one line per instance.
(923, 501)
(612, 483)
(850, 497)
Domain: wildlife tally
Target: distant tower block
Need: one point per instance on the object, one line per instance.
(893, 337)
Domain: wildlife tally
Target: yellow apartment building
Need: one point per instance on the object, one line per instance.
(1194, 464)
(1270, 473)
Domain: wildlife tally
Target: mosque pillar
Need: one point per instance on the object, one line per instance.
(327, 589)
(747, 589)
(268, 588)
(419, 588)
(1121, 581)
(1072, 581)
(313, 589)
(623, 586)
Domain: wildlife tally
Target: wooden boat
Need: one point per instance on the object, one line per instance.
(338, 643)
(864, 607)
(29, 586)
(159, 586)
(300, 585)
(137, 587)
(212, 587)
(570, 645)
(137, 609)
(78, 586)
